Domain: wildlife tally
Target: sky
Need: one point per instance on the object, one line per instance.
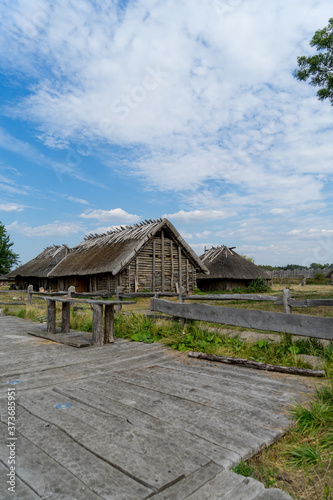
(115, 112)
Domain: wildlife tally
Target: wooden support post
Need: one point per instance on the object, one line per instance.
(97, 336)
(172, 266)
(136, 274)
(162, 261)
(129, 278)
(51, 316)
(154, 266)
(66, 316)
(109, 324)
(285, 297)
(119, 290)
(30, 289)
(303, 281)
(71, 290)
(180, 277)
(181, 301)
(193, 279)
(187, 277)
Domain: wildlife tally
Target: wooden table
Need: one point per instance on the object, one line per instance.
(100, 335)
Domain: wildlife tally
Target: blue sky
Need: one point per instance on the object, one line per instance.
(116, 112)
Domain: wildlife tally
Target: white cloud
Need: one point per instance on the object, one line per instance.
(116, 215)
(204, 234)
(76, 200)
(199, 215)
(55, 229)
(11, 207)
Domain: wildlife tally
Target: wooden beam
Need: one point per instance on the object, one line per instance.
(187, 277)
(162, 261)
(97, 336)
(109, 324)
(129, 277)
(257, 364)
(172, 266)
(136, 282)
(154, 266)
(51, 316)
(180, 277)
(296, 324)
(66, 316)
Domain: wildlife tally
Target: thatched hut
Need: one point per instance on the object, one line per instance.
(329, 274)
(227, 270)
(151, 256)
(36, 271)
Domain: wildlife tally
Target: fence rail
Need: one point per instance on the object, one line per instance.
(296, 324)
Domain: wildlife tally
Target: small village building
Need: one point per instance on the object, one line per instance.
(329, 275)
(227, 270)
(151, 256)
(36, 271)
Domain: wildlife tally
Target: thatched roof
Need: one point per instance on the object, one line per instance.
(224, 263)
(112, 251)
(329, 273)
(41, 265)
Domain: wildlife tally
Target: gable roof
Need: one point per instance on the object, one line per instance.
(41, 265)
(225, 263)
(329, 272)
(112, 251)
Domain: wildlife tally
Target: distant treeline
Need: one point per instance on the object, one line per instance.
(294, 267)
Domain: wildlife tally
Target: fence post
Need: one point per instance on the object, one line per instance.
(71, 290)
(304, 281)
(119, 291)
(30, 289)
(285, 298)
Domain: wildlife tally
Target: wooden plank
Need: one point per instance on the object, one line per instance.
(129, 277)
(310, 302)
(233, 296)
(136, 283)
(66, 316)
(97, 325)
(138, 452)
(228, 486)
(190, 484)
(147, 409)
(187, 277)
(296, 324)
(180, 276)
(162, 261)
(98, 475)
(40, 472)
(109, 324)
(172, 267)
(51, 317)
(22, 491)
(154, 265)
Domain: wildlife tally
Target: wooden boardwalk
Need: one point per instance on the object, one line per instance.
(143, 422)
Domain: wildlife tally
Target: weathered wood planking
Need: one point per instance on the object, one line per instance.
(296, 324)
(234, 296)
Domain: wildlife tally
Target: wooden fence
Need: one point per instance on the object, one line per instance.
(296, 324)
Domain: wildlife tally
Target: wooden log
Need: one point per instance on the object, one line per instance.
(154, 265)
(109, 324)
(187, 277)
(233, 296)
(296, 324)
(162, 260)
(51, 316)
(180, 278)
(257, 365)
(97, 336)
(119, 291)
(285, 299)
(172, 267)
(66, 315)
(30, 290)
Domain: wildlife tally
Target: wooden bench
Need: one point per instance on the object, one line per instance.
(100, 335)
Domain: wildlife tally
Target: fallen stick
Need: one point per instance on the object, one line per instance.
(257, 365)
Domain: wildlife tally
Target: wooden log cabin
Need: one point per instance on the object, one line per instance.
(36, 271)
(151, 256)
